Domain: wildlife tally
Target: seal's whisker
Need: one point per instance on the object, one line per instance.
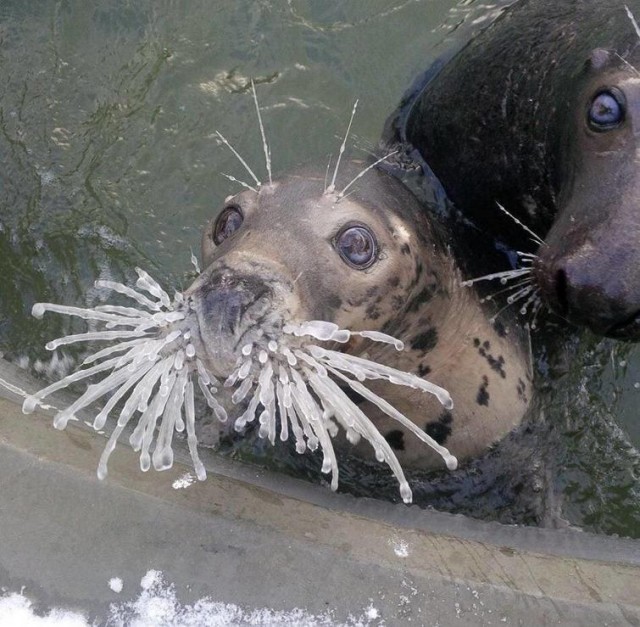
(537, 239)
(633, 20)
(194, 263)
(629, 65)
(332, 185)
(504, 276)
(520, 294)
(265, 147)
(233, 179)
(287, 380)
(242, 161)
(506, 290)
(532, 294)
(361, 174)
(326, 174)
(538, 305)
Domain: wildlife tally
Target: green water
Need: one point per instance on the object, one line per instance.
(109, 159)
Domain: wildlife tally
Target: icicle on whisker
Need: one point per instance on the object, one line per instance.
(505, 275)
(344, 361)
(332, 185)
(237, 155)
(449, 459)
(265, 147)
(361, 174)
(233, 179)
(129, 292)
(141, 392)
(536, 238)
(326, 388)
(633, 20)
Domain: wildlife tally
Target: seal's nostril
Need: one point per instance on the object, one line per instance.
(561, 291)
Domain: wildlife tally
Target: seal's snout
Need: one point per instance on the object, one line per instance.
(227, 299)
(238, 302)
(594, 289)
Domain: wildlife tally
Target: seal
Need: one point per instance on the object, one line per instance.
(291, 260)
(539, 112)
(294, 250)
(305, 292)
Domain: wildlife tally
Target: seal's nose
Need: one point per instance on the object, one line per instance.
(227, 297)
(590, 290)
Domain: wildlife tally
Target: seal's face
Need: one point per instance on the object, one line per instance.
(589, 269)
(289, 253)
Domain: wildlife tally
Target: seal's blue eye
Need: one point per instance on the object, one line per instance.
(357, 246)
(228, 222)
(606, 111)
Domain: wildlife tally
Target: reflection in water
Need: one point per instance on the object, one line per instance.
(109, 159)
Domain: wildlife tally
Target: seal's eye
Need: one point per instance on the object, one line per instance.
(228, 222)
(357, 246)
(606, 110)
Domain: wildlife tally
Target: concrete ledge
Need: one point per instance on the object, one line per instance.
(258, 539)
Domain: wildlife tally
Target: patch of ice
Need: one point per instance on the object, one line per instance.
(158, 605)
(183, 482)
(16, 609)
(400, 547)
(115, 583)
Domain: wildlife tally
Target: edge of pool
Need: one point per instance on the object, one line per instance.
(261, 540)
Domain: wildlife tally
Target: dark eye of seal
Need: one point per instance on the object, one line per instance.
(606, 111)
(228, 222)
(357, 246)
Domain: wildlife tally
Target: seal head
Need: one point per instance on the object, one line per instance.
(553, 137)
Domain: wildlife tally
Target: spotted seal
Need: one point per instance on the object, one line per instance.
(539, 112)
(372, 259)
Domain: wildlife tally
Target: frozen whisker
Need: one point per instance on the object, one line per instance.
(332, 185)
(532, 295)
(148, 369)
(623, 60)
(536, 238)
(145, 282)
(233, 179)
(326, 174)
(242, 161)
(633, 20)
(125, 290)
(329, 331)
(195, 264)
(503, 276)
(265, 147)
(519, 295)
(361, 174)
(294, 387)
(510, 288)
(525, 287)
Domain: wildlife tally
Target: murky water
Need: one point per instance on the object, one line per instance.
(109, 159)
